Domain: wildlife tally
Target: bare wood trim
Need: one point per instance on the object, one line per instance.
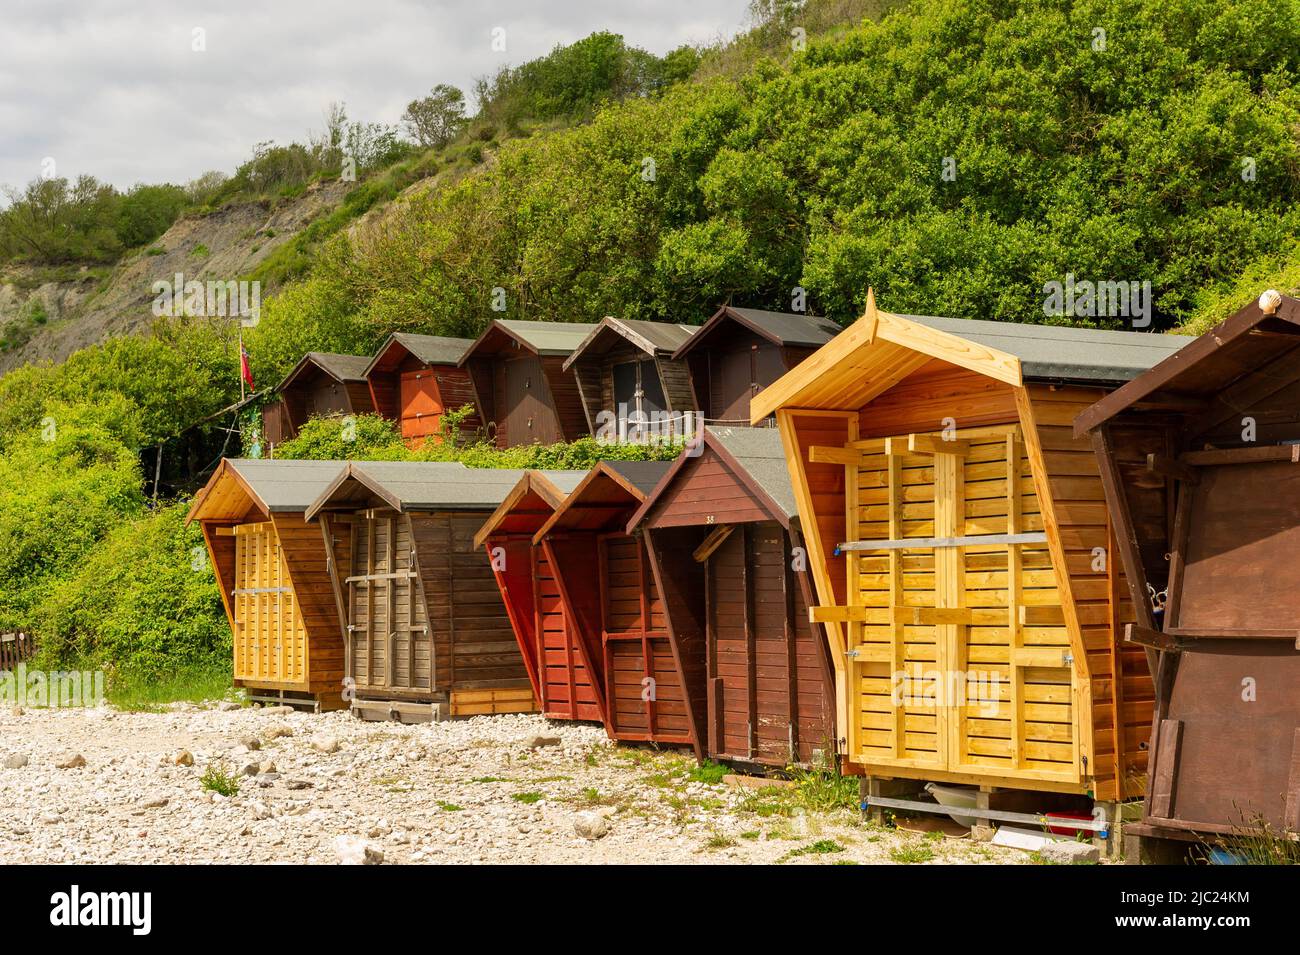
(926, 543)
(1217, 456)
(712, 542)
(1166, 773)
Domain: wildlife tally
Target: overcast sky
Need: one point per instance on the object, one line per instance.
(113, 87)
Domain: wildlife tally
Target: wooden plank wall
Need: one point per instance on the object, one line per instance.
(704, 492)
(677, 578)
(676, 378)
(769, 677)
(515, 582)
(563, 387)
(473, 640)
(1122, 690)
(388, 659)
(635, 631)
(305, 556)
(569, 689)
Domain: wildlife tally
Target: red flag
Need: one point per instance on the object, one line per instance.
(245, 371)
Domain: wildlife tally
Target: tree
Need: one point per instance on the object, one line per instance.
(434, 120)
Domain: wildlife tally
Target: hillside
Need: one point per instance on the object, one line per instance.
(232, 241)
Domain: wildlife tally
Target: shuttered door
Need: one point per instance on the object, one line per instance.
(270, 639)
(961, 660)
(388, 647)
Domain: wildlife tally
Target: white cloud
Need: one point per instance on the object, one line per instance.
(117, 92)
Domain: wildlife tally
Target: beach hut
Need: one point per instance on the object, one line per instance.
(611, 592)
(427, 635)
(563, 668)
(321, 384)
(413, 379)
(722, 527)
(740, 351)
(630, 383)
(521, 391)
(273, 570)
(1200, 458)
(961, 551)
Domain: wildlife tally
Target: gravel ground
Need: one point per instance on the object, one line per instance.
(322, 788)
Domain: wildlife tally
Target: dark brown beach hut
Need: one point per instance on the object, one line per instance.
(740, 351)
(521, 391)
(322, 383)
(564, 669)
(629, 381)
(1200, 458)
(413, 379)
(611, 592)
(723, 530)
(427, 635)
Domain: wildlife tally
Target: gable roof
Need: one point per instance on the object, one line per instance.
(1207, 367)
(430, 349)
(1064, 352)
(418, 486)
(881, 348)
(274, 486)
(551, 486)
(342, 368)
(653, 338)
(755, 455)
(541, 338)
(607, 492)
(780, 328)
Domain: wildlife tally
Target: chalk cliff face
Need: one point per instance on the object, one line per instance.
(50, 320)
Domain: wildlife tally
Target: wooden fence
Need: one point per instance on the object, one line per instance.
(15, 648)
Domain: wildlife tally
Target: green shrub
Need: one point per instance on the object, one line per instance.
(142, 603)
(64, 486)
(376, 439)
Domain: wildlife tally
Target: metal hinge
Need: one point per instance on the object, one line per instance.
(851, 653)
(1067, 659)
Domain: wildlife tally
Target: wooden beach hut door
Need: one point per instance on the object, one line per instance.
(270, 638)
(958, 651)
(644, 695)
(387, 640)
(1228, 749)
(420, 405)
(761, 661)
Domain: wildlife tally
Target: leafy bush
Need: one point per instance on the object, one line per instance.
(143, 602)
(64, 486)
(826, 172)
(375, 439)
